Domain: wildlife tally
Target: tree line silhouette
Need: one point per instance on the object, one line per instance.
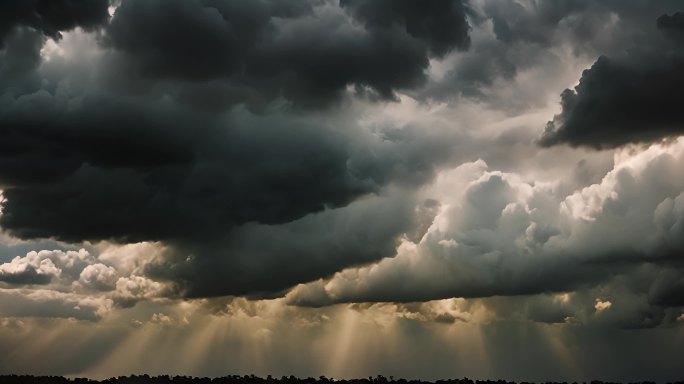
(252, 379)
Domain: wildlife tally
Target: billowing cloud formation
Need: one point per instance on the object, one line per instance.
(98, 276)
(627, 98)
(515, 38)
(130, 290)
(75, 279)
(31, 269)
(531, 21)
(174, 167)
(504, 236)
(524, 42)
(138, 155)
(211, 187)
(259, 51)
(55, 284)
(441, 24)
(42, 267)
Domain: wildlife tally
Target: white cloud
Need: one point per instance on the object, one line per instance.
(499, 234)
(76, 284)
(43, 267)
(129, 258)
(34, 268)
(132, 289)
(98, 276)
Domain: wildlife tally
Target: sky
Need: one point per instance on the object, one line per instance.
(421, 189)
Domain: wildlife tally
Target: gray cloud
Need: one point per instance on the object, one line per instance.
(19, 60)
(304, 53)
(575, 21)
(169, 181)
(49, 303)
(226, 165)
(170, 185)
(627, 98)
(512, 37)
(264, 260)
(441, 24)
(212, 186)
(14, 274)
(530, 20)
(514, 40)
(137, 155)
(209, 148)
(504, 237)
(148, 167)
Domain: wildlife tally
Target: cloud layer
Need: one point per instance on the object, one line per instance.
(148, 155)
(235, 178)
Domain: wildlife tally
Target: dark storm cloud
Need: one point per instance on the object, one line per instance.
(19, 60)
(511, 38)
(187, 39)
(673, 24)
(265, 260)
(156, 154)
(231, 192)
(252, 204)
(477, 70)
(440, 23)
(50, 17)
(262, 51)
(580, 22)
(522, 36)
(530, 21)
(668, 288)
(135, 172)
(628, 98)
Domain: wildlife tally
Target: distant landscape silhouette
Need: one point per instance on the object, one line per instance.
(252, 379)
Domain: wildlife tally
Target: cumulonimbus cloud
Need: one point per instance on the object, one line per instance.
(503, 236)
